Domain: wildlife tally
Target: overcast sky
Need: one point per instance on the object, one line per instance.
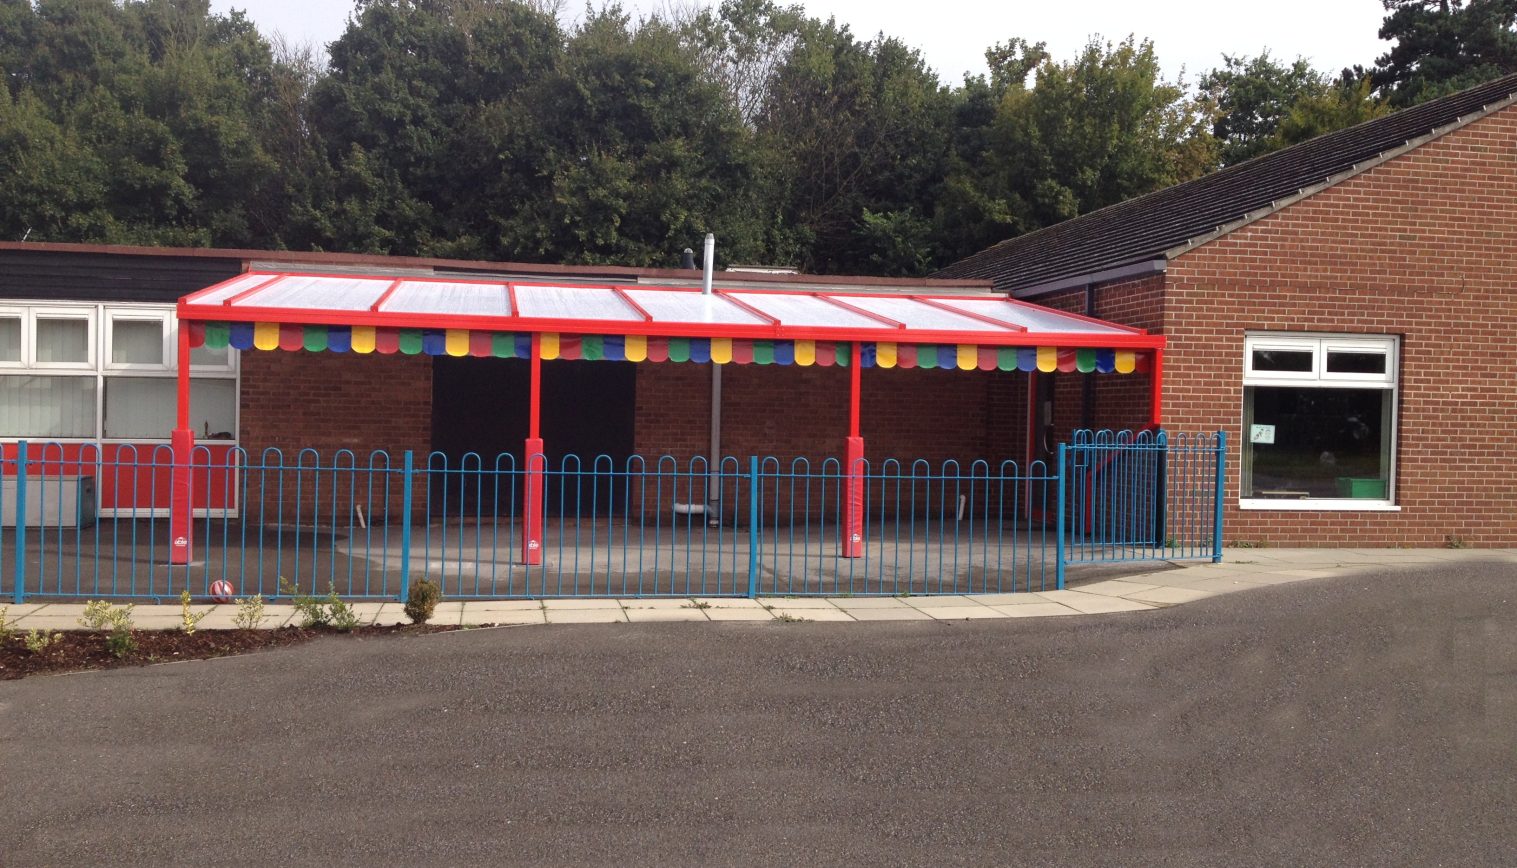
(953, 34)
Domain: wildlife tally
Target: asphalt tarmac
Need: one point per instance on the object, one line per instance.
(1360, 721)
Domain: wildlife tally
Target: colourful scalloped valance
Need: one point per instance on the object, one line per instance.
(641, 348)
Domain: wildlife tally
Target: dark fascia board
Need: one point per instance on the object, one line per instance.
(1122, 272)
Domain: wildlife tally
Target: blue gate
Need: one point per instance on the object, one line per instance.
(80, 522)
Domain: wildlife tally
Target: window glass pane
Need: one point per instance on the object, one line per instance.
(10, 338)
(47, 406)
(1317, 443)
(205, 356)
(144, 407)
(63, 340)
(1286, 361)
(1355, 363)
(136, 342)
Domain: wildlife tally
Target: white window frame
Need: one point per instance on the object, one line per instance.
(91, 352)
(20, 313)
(1320, 345)
(165, 331)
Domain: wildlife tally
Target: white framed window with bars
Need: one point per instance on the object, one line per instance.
(1319, 421)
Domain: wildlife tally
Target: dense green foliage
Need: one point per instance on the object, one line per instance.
(488, 129)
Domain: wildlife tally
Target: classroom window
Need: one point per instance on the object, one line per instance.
(1319, 421)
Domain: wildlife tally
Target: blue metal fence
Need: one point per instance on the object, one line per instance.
(1145, 495)
(369, 525)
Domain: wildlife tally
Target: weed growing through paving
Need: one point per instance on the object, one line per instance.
(696, 604)
(38, 640)
(422, 601)
(1453, 541)
(189, 620)
(250, 614)
(787, 618)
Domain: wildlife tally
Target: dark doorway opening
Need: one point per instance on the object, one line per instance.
(588, 410)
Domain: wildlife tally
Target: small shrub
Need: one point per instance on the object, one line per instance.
(6, 630)
(38, 640)
(340, 614)
(327, 611)
(422, 601)
(116, 621)
(312, 610)
(101, 615)
(189, 620)
(121, 642)
(250, 614)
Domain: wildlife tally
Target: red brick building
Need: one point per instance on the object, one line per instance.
(1343, 309)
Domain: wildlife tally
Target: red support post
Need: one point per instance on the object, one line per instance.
(853, 498)
(532, 498)
(1156, 394)
(183, 449)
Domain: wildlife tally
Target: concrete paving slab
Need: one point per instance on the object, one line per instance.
(1035, 610)
(517, 616)
(579, 605)
(474, 608)
(827, 614)
(655, 602)
(1114, 588)
(942, 602)
(390, 614)
(1093, 604)
(50, 622)
(797, 602)
(637, 615)
(1171, 596)
(959, 613)
(754, 614)
(730, 602)
(1023, 598)
(586, 616)
(14, 611)
(1223, 586)
(855, 603)
(899, 613)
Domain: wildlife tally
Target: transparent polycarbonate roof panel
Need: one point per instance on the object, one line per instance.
(675, 306)
(1034, 319)
(319, 293)
(922, 316)
(450, 298)
(807, 311)
(236, 285)
(573, 302)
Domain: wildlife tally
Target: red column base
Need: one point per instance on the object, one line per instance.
(852, 543)
(532, 504)
(181, 535)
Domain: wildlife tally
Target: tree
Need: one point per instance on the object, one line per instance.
(1250, 96)
(854, 138)
(1443, 46)
(640, 153)
(1343, 105)
(1089, 133)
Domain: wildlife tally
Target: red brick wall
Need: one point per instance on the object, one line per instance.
(333, 401)
(1422, 247)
